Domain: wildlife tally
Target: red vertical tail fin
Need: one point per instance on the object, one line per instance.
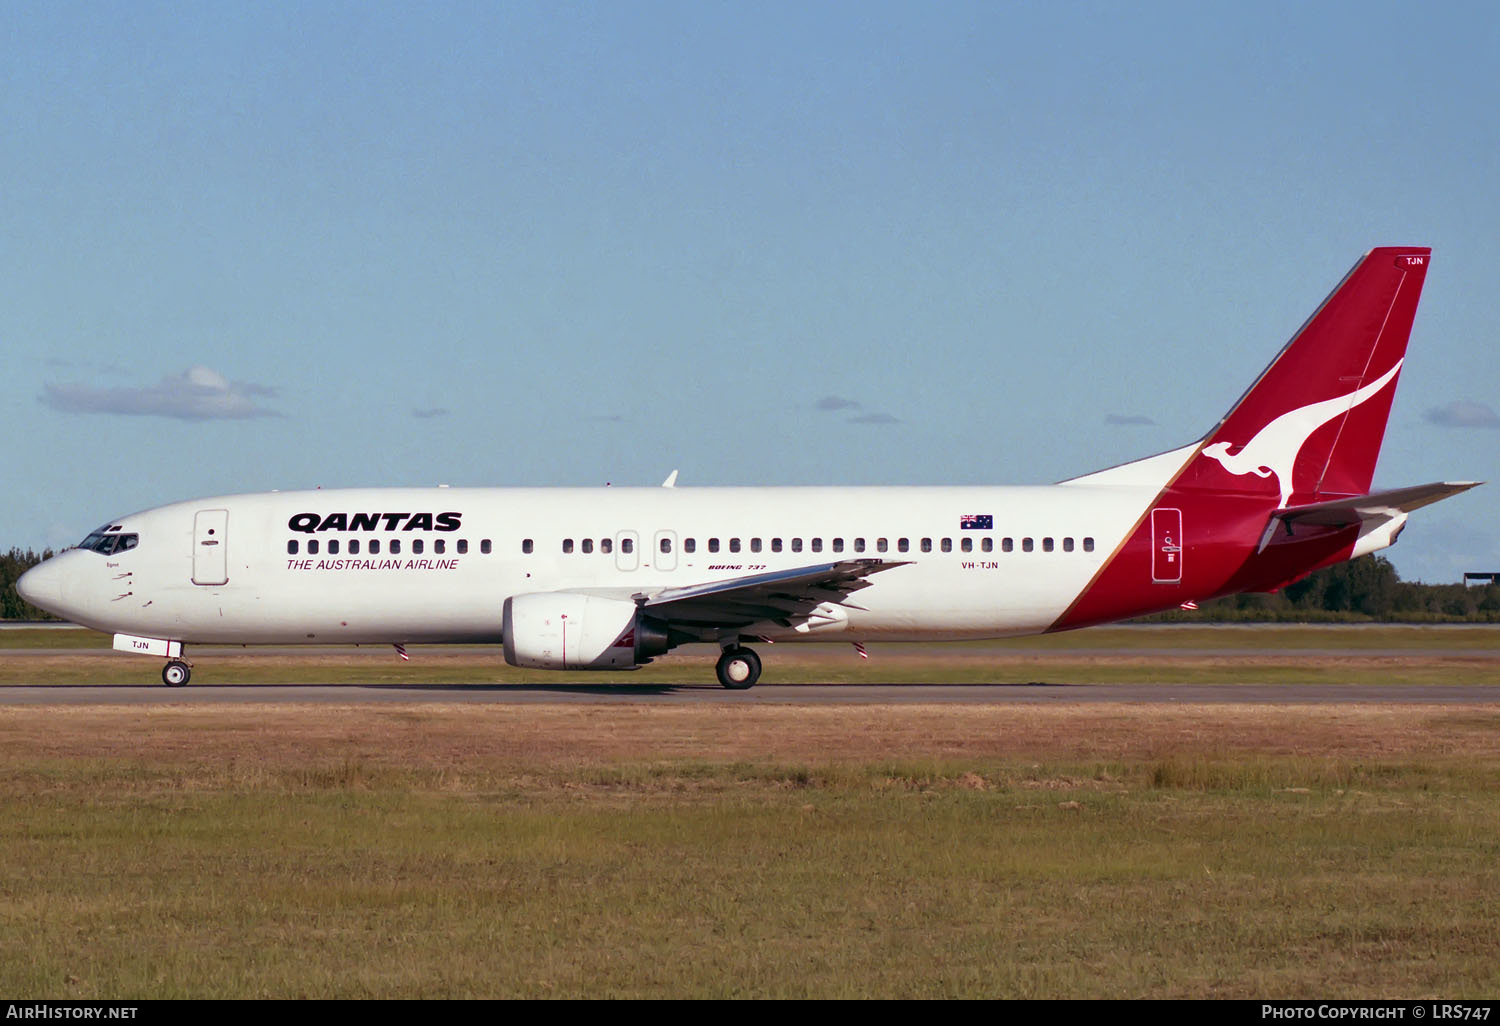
(1310, 427)
(1303, 439)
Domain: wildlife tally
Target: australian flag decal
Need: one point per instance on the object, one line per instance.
(976, 522)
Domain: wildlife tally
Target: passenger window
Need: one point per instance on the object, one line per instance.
(627, 545)
(1007, 545)
(859, 545)
(817, 544)
(353, 546)
(463, 546)
(754, 544)
(967, 545)
(1026, 545)
(567, 544)
(606, 545)
(838, 545)
(689, 545)
(312, 546)
(395, 546)
(374, 546)
(333, 546)
(926, 544)
(987, 545)
(416, 546)
(881, 545)
(1046, 544)
(734, 545)
(796, 544)
(666, 545)
(775, 544)
(587, 545)
(903, 545)
(1067, 544)
(947, 544)
(1088, 545)
(484, 546)
(438, 545)
(526, 546)
(291, 547)
(713, 545)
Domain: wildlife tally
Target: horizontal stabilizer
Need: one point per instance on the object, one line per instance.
(1377, 514)
(1375, 506)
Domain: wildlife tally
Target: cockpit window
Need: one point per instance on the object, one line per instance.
(109, 544)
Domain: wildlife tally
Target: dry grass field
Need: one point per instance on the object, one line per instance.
(407, 851)
(714, 850)
(1120, 655)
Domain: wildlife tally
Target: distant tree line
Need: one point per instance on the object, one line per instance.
(12, 565)
(1364, 589)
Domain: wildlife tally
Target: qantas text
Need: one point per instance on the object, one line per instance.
(307, 523)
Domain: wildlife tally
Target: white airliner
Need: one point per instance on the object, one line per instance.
(606, 579)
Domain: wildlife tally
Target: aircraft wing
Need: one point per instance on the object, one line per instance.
(1375, 508)
(786, 597)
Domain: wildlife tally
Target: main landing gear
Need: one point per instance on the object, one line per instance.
(176, 674)
(738, 669)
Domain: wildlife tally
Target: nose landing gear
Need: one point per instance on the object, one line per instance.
(176, 674)
(738, 668)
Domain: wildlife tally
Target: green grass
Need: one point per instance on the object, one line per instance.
(1256, 637)
(1194, 875)
(1179, 671)
(52, 637)
(1113, 655)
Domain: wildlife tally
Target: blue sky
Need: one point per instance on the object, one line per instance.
(246, 247)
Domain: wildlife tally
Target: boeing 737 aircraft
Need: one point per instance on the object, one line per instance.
(607, 579)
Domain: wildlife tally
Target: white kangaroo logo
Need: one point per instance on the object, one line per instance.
(1274, 448)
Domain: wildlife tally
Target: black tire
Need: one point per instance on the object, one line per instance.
(738, 669)
(176, 674)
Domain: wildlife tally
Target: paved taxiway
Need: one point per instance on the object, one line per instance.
(773, 694)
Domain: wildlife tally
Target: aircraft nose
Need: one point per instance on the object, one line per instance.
(42, 586)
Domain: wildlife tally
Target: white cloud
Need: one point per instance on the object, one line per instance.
(198, 393)
(1463, 414)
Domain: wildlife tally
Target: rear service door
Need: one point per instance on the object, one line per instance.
(210, 546)
(1166, 546)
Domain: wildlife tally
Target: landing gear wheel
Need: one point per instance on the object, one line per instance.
(176, 674)
(738, 669)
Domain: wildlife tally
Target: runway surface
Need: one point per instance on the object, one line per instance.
(846, 694)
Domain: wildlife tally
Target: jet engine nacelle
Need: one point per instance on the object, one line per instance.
(562, 630)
